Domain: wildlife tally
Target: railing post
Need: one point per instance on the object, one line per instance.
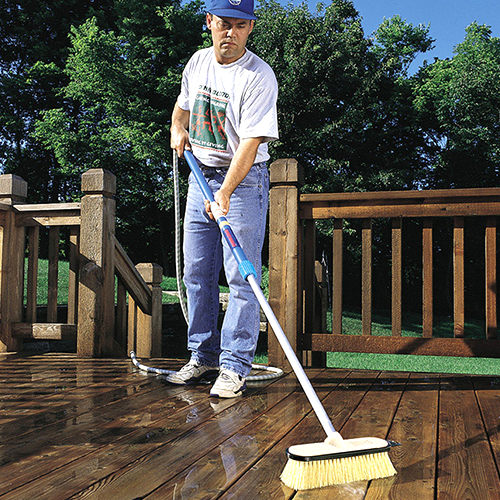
(286, 177)
(149, 325)
(13, 190)
(96, 293)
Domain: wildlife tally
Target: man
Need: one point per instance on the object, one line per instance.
(225, 114)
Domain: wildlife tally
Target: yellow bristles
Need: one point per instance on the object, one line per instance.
(301, 475)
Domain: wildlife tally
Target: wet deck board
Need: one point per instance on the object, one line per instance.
(73, 428)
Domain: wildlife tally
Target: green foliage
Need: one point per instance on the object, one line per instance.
(342, 110)
(319, 61)
(33, 50)
(397, 42)
(83, 88)
(122, 85)
(458, 102)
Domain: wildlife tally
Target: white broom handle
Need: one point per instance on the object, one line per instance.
(292, 358)
(248, 273)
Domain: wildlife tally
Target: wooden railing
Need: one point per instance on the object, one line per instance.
(112, 305)
(293, 270)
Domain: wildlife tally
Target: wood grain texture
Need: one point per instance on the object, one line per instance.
(98, 428)
(465, 463)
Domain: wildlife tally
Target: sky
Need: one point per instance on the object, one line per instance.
(448, 19)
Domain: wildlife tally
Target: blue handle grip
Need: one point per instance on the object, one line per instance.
(244, 265)
(195, 168)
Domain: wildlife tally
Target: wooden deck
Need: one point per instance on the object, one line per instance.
(75, 428)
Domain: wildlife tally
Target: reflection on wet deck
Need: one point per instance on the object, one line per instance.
(75, 428)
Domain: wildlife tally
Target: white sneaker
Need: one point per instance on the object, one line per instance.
(192, 373)
(228, 385)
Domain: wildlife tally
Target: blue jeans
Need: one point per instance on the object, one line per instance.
(233, 347)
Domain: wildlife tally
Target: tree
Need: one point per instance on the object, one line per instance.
(82, 88)
(458, 102)
(33, 49)
(397, 42)
(122, 85)
(343, 105)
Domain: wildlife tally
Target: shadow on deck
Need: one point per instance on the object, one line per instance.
(73, 428)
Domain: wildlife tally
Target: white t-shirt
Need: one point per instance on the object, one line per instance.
(228, 103)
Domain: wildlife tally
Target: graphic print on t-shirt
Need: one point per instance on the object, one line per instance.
(208, 119)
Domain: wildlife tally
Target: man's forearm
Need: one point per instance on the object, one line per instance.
(241, 164)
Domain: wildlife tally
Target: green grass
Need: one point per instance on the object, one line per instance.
(351, 324)
(407, 363)
(168, 284)
(412, 363)
(411, 327)
(42, 281)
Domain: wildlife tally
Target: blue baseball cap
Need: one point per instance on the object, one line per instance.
(240, 9)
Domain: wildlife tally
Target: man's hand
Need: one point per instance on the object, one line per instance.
(239, 168)
(179, 131)
(222, 199)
